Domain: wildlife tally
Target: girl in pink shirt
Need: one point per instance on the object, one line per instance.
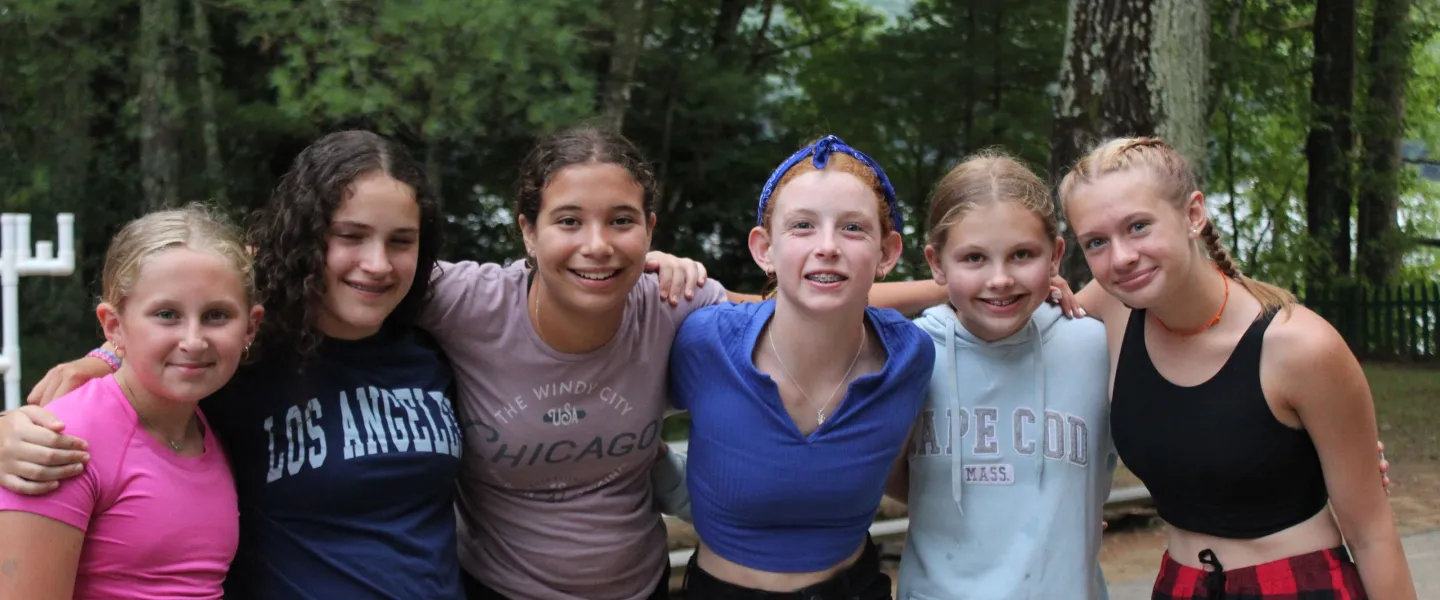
(154, 516)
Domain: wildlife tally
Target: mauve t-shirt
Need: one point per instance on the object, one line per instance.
(555, 499)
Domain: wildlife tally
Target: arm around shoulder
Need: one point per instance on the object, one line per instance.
(34, 454)
(43, 535)
(1324, 384)
(668, 477)
(1098, 303)
(910, 298)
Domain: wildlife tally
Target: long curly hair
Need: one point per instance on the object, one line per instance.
(291, 234)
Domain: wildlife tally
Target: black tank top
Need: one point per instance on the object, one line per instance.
(1214, 457)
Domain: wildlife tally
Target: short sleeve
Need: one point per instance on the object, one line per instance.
(76, 499)
(72, 504)
(464, 297)
(693, 342)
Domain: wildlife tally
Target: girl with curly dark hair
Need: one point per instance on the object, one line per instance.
(341, 432)
(299, 235)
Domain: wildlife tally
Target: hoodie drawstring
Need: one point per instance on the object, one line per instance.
(957, 487)
(1039, 343)
(957, 483)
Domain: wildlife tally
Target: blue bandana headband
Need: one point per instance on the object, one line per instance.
(822, 150)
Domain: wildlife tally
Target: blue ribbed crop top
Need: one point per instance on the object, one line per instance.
(762, 495)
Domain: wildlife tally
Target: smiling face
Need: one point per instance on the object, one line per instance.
(824, 241)
(589, 238)
(1138, 245)
(183, 325)
(371, 256)
(996, 264)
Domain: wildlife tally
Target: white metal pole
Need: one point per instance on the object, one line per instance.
(9, 312)
(16, 260)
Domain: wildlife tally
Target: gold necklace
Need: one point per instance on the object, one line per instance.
(174, 445)
(539, 331)
(819, 413)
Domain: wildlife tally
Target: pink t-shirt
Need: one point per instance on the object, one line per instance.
(157, 525)
(555, 494)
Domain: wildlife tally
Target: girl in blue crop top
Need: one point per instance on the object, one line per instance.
(800, 404)
(1242, 412)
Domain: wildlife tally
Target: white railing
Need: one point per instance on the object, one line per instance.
(16, 261)
(893, 527)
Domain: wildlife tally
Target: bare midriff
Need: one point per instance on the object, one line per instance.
(1319, 532)
(741, 575)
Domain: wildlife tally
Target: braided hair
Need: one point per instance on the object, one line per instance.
(1176, 181)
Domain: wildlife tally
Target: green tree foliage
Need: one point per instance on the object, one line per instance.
(722, 92)
(949, 79)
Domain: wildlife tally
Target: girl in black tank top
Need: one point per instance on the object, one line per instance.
(1213, 456)
(1241, 454)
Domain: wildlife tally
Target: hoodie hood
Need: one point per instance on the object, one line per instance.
(943, 325)
(941, 321)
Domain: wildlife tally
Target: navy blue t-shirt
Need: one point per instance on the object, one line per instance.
(345, 473)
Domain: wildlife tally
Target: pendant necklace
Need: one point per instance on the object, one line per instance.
(820, 413)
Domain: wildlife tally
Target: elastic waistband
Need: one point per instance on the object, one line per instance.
(1329, 574)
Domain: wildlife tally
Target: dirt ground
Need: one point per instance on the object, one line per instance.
(1135, 540)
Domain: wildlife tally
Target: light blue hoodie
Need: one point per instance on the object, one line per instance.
(1011, 463)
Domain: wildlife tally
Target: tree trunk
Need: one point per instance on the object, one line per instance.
(997, 84)
(757, 48)
(1227, 100)
(1381, 130)
(1180, 66)
(625, 50)
(727, 24)
(1131, 67)
(73, 148)
(967, 84)
(434, 168)
(209, 122)
(1328, 147)
(159, 104)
